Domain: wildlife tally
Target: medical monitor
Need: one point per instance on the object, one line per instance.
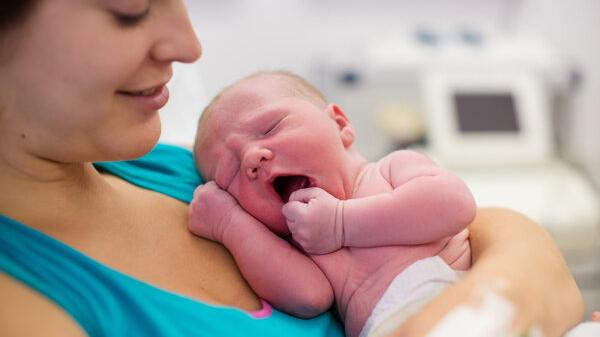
(487, 117)
(493, 112)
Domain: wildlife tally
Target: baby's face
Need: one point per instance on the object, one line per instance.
(261, 147)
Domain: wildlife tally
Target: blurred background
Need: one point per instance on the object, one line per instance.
(504, 92)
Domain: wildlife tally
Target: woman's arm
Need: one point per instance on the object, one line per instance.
(516, 257)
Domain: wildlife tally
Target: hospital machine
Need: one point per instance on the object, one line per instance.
(494, 129)
(484, 109)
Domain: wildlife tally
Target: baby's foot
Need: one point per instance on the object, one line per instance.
(596, 316)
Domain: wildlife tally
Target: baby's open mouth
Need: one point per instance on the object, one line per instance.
(286, 185)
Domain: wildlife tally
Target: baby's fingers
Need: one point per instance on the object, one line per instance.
(293, 210)
(198, 190)
(306, 194)
(205, 189)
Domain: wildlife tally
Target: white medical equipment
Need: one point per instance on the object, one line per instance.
(494, 128)
(487, 117)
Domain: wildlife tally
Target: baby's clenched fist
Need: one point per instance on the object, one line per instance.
(211, 211)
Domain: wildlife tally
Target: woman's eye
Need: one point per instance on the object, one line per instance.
(130, 20)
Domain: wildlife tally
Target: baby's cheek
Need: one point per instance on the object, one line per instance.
(277, 224)
(268, 214)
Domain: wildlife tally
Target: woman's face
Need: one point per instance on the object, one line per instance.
(82, 80)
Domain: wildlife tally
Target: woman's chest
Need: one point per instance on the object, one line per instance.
(159, 250)
(144, 235)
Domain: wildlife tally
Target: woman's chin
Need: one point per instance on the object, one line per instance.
(140, 147)
(133, 145)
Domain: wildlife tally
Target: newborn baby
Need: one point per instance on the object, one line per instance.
(309, 220)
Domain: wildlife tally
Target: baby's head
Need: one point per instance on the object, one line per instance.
(262, 85)
(268, 135)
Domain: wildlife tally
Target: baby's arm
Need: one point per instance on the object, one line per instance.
(427, 204)
(275, 270)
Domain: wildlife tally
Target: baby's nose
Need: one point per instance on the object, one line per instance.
(254, 159)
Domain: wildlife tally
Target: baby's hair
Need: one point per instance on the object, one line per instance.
(296, 86)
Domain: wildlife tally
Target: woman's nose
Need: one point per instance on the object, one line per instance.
(176, 39)
(254, 159)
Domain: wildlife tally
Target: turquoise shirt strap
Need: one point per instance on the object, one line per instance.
(166, 169)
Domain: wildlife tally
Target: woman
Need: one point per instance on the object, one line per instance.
(104, 249)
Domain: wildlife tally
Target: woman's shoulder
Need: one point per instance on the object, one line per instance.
(25, 312)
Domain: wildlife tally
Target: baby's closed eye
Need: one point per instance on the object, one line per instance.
(272, 127)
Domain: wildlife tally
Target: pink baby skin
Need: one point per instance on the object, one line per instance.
(306, 217)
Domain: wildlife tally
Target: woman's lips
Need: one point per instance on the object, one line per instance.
(150, 99)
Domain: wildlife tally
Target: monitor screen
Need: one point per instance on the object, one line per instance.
(484, 112)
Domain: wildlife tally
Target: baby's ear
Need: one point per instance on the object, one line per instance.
(347, 133)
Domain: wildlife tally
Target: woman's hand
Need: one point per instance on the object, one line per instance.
(516, 258)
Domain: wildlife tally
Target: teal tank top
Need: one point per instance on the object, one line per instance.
(106, 302)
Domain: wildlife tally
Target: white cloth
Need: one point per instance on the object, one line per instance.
(586, 329)
(410, 290)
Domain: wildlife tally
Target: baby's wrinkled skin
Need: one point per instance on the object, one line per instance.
(306, 217)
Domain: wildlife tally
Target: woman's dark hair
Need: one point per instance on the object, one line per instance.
(13, 12)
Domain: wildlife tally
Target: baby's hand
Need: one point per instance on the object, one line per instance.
(211, 211)
(314, 218)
